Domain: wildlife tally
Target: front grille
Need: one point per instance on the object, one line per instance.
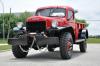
(36, 26)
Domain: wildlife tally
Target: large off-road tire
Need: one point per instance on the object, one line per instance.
(66, 45)
(17, 51)
(83, 46)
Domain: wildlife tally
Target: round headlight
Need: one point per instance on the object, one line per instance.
(54, 24)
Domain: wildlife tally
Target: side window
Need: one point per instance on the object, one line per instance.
(70, 15)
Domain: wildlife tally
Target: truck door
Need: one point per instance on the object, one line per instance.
(71, 22)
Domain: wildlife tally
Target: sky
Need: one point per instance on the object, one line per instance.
(87, 9)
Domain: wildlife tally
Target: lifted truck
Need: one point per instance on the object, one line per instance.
(51, 27)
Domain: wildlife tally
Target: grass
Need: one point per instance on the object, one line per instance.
(4, 47)
(93, 40)
(3, 41)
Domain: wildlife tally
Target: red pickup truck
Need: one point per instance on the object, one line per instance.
(51, 27)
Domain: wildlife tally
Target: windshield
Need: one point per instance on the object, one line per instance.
(51, 12)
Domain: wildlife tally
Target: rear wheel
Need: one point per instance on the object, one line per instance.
(66, 45)
(83, 46)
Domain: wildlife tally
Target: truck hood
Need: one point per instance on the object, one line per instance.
(42, 18)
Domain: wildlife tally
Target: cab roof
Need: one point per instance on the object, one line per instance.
(66, 7)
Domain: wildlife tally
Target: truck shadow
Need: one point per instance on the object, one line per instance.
(47, 56)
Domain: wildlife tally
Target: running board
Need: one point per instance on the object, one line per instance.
(80, 40)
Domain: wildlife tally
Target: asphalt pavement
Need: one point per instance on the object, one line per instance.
(45, 58)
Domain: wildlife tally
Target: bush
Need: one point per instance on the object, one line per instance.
(10, 21)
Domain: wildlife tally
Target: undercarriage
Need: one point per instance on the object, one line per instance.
(34, 40)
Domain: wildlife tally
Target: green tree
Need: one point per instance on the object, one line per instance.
(24, 16)
(10, 20)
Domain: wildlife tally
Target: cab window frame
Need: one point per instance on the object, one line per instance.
(70, 16)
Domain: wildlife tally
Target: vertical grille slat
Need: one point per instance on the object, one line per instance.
(36, 26)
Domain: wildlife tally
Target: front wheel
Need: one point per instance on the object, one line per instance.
(18, 52)
(66, 45)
